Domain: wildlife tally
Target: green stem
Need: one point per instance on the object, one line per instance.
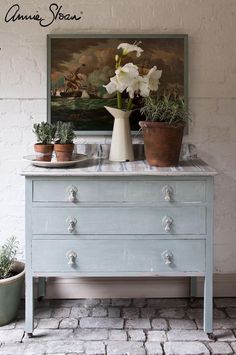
(119, 102)
(130, 104)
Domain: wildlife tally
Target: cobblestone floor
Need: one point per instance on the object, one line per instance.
(122, 326)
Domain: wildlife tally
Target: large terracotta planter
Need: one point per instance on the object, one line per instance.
(64, 151)
(43, 152)
(121, 141)
(10, 292)
(162, 142)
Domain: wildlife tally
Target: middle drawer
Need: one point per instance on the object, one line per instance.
(119, 220)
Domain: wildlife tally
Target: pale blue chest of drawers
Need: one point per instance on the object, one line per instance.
(122, 219)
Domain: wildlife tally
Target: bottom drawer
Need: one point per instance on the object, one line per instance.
(118, 256)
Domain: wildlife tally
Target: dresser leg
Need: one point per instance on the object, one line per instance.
(208, 304)
(29, 305)
(193, 287)
(41, 288)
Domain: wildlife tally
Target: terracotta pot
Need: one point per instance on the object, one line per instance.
(64, 151)
(162, 142)
(43, 151)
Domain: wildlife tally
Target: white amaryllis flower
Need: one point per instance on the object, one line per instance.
(113, 86)
(124, 75)
(127, 48)
(138, 85)
(153, 77)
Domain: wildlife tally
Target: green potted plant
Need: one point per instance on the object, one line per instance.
(64, 145)
(163, 129)
(11, 279)
(45, 134)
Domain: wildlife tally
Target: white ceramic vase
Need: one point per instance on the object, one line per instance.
(121, 141)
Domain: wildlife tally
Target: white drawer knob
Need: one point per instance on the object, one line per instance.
(167, 223)
(71, 256)
(167, 192)
(72, 190)
(71, 224)
(167, 257)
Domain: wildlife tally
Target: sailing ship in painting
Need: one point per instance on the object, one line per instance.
(81, 66)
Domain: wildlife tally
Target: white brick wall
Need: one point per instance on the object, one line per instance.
(211, 26)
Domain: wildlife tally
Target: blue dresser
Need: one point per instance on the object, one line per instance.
(118, 220)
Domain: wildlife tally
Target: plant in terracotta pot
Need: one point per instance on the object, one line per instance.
(163, 129)
(45, 134)
(64, 145)
(11, 280)
(129, 81)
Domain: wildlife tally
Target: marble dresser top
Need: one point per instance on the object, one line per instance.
(101, 167)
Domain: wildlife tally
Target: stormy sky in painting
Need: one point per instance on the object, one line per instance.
(95, 59)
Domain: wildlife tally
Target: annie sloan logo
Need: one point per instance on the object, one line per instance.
(55, 12)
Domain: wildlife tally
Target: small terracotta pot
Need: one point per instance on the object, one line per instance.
(43, 151)
(64, 151)
(162, 142)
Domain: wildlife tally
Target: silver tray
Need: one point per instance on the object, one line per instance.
(76, 158)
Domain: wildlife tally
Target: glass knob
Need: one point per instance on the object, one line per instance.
(72, 190)
(71, 257)
(71, 224)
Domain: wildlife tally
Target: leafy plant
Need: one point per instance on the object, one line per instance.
(170, 109)
(64, 133)
(7, 254)
(45, 132)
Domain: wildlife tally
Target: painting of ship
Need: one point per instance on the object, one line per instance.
(80, 66)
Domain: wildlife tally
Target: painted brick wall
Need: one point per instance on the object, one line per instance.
(211, 26)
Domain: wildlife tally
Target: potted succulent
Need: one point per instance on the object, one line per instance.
(64, 145)
(163, 129)
(11, 280)
(45, 134)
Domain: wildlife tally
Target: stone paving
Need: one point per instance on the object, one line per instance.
(122, 326)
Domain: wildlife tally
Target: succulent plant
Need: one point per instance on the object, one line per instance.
(64, 133)
(7, 254)
(169, 109)
(45, 132)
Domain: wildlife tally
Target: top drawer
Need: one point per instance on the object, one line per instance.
(112, 190)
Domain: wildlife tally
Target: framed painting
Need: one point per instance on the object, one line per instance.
(79, 66)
